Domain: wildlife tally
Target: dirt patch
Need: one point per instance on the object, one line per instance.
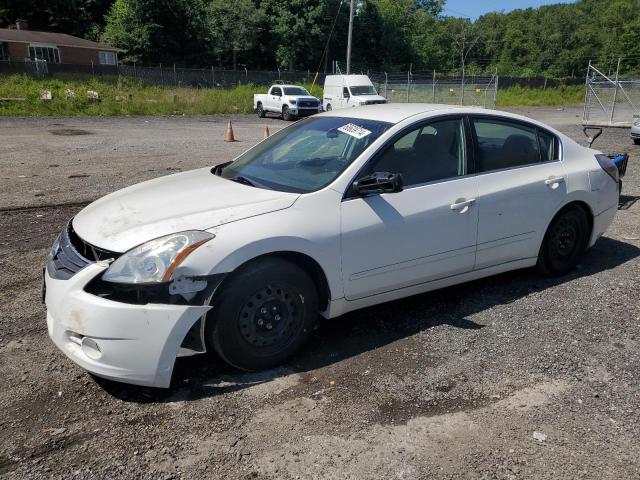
(70, 132)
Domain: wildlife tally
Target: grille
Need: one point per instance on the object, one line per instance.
(375, 102)
(308, 104)
(72, 254)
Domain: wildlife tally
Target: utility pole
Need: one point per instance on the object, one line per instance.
(465, 48)
(349, 36)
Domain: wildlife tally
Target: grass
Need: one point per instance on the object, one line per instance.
(120, 96)
(534, 97)
(125, 96)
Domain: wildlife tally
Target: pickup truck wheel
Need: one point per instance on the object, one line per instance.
(636, 141)
(328, 107)
(263, 314)
(286, 114)
(260, 110)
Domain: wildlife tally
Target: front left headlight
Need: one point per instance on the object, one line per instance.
(293, 102)
(155, 261)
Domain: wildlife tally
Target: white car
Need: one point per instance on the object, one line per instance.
(289, 101)
(336, 212)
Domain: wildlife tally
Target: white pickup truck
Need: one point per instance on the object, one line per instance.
(290, 101)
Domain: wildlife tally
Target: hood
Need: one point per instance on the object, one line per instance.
(305, 98)
(194, 200)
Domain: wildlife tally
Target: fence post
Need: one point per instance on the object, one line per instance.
(175, 76)
(135, 71)
(386, 85)
(409, 82)
(495, 91)
(93, 72)
(213, 78)
(615, 94)
(433, 86)
(161, 76)
(585, 111)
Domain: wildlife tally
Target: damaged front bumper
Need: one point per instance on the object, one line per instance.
(128, 342)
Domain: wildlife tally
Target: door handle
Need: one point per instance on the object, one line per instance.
(553, 180)
(463, 205)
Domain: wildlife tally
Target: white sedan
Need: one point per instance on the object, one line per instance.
(339, 211)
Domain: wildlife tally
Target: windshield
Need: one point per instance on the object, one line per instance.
(363, 90)
(295, 91)
(306, 156)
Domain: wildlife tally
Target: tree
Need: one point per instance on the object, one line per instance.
(161, 31)
(235, 26)
(83, 18)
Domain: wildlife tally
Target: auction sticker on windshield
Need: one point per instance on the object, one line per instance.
(354, 130)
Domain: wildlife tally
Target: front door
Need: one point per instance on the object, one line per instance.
(427, 231)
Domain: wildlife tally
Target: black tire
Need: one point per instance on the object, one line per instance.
(636, 141)
(260, 111)
(328, 107)
(264, 312)
(286, 113)
(564, 242)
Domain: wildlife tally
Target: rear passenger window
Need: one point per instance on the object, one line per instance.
(548, 146)
(507, 145)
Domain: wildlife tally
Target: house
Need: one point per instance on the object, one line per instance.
(21, 44)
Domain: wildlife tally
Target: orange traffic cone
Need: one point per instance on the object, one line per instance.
(266, 131)
(229, 135)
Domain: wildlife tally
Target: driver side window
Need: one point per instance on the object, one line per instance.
(431, 152)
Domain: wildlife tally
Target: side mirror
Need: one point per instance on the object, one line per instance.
(379, 182)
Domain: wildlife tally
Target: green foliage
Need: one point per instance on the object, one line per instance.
(114, 98)
(553, 40)
(150, 32)
(533, 97)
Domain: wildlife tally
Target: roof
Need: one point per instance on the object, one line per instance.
(389, 112)
(397, 112)
(58, 39)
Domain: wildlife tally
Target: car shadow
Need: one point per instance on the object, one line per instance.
(373, 327)
(627, 201)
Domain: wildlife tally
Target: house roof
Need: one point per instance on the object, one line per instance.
(58, 39)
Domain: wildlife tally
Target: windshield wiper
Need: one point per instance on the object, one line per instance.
(217, 170)
(243, 180)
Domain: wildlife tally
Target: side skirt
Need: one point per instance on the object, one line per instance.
(341, 306)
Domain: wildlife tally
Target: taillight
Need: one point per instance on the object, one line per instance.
(608, 166)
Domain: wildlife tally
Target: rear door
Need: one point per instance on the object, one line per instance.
(521, 183)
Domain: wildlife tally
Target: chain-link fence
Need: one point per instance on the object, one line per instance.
(163, 75)
(610, 101)
(431, 87)
(422, 88)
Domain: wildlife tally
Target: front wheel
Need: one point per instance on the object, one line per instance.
(565, 241)
(263, 314)
(286, 113)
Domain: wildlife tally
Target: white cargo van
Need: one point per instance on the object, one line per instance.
(342, 91)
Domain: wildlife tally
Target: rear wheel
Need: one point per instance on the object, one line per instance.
(260, 110)
(328, 107)
(263, 314)
(565, 241)
(286, 113)
(636, 141)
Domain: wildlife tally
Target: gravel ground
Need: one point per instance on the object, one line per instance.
(514, 376)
